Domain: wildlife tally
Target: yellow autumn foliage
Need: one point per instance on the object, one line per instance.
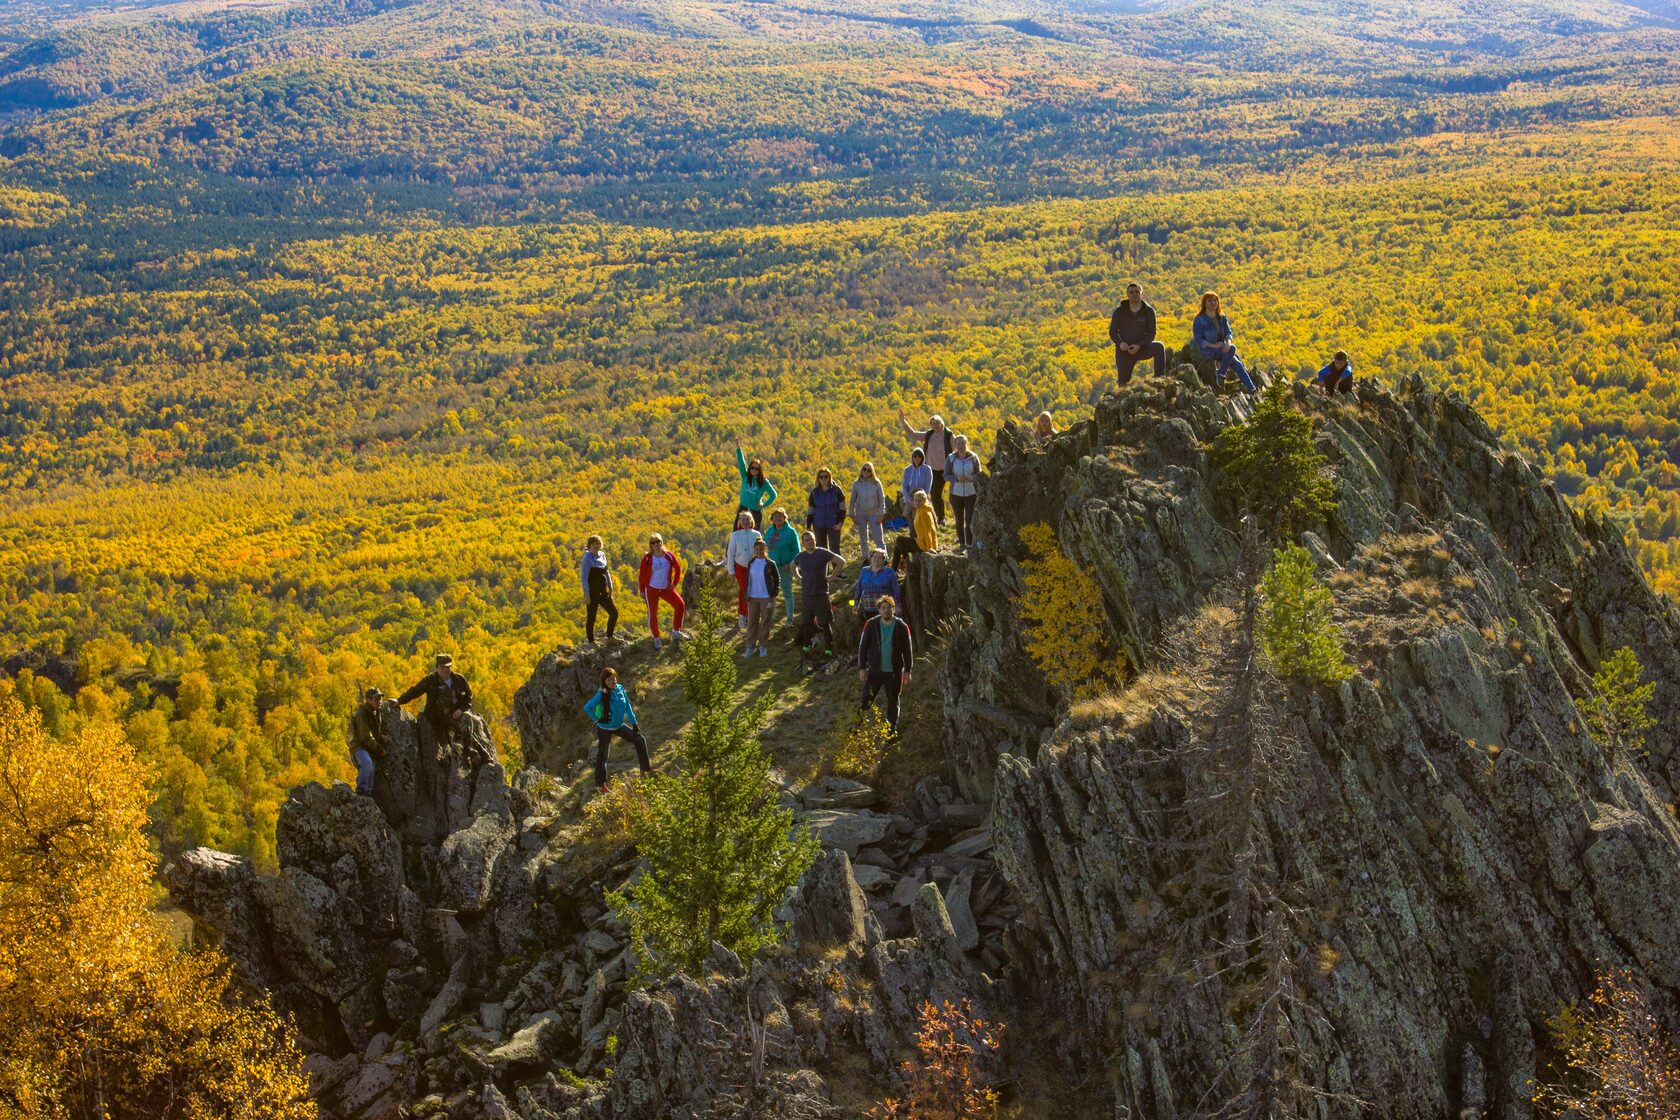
(1061, 615)
(101, 1016)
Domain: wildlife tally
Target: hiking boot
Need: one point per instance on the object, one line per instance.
(658, 644)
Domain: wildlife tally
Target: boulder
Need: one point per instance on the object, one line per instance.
(829, 910)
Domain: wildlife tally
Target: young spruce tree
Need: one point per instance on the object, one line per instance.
(718, 852)
(1269, 468)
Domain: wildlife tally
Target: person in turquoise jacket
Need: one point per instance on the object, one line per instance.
(1212, 335)
(610, 709)
(756, 490)
(783, 542)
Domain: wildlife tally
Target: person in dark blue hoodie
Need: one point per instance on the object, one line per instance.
(1213, 338)
(1337, 377)
(610, 709)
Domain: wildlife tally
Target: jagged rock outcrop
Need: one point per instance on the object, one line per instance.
(1467, 854)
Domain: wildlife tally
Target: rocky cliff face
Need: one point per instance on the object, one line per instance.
(1437, 853)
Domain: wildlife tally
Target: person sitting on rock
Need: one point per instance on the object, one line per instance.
(367, 738)
(816, 613)
(936, 448)
(448, 697)
(885, 657)
(1214, 341)
(610, 709)
(1132, 330)
(764, 582)
(597, 590)
(1337, 377)
(923, 535)
(825, 510)
(917, 476)
(963, 469)
(656, 582)
(874, 581)
(756, 490)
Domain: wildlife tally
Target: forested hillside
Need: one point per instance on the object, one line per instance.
(329, 331)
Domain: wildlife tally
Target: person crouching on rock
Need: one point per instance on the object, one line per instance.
(448, 697)
(658, 580)
(885, 658)
(1337, 377)
(367, 739)
(1132, 330)
(597, 590)
(923, 536)
(610, 709)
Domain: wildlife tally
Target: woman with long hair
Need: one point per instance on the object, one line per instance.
(1214, 341)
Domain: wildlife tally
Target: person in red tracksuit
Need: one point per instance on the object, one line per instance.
(660, 577)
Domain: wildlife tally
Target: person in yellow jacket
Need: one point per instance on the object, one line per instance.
(923, 535)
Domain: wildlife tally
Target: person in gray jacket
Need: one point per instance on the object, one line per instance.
(868, 506)
(962, 470)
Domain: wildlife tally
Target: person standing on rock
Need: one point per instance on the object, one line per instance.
(923, 536)
(610, 709)
(764, 582)
(869, 508)
(936, 448)
(656, 582)
(783, 540)
(1132, 330)
(963, 471)
(875, 580)
(885, 657)
(1214, 341)
(367, 738)
(825, 511)
(917, 476)
(738, 553)
(756, 490)
(597, 590)
(448, 697)
(816, 612)
(1337, 377)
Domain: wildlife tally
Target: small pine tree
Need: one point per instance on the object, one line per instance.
(718, 852)
(1620, 713)
(1270, 467)
(1296, 629)
(1060, 615)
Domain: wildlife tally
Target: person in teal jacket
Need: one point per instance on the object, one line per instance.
(756, 490)
(783, 542)
(610, 709)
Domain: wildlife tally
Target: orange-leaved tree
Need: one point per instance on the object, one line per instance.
(949, 1081)
(1619, 1062)
(101, 1015)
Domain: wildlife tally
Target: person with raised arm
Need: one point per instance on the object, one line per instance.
(448, 697)
(657, 582)
(738, 553)
(1214, 341)
(1132, 330)
(936, 448)
(886, 655)
(756, 490)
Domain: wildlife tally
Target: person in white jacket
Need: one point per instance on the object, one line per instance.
(739, 554)
(597, 589)
(868, 507)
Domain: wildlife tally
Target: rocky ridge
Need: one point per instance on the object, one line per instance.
(1458, 855)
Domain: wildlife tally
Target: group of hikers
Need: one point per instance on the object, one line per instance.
(448, 698)
(770, 563)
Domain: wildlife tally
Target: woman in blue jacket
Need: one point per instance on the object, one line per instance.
(610, 709)
(1213, 338)
(825, 511)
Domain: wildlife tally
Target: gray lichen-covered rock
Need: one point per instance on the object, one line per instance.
(831, 911)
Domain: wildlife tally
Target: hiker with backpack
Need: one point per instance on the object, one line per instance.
(756, 490)
(1213, 337)
(367, 738)
(1132, 330)
(936, 449)
(597, 589)
(657, 582)
(610, 709)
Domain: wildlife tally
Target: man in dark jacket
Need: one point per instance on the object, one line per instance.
(1132, 330)
(367, 739)
(885, 658)
(447, 695)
